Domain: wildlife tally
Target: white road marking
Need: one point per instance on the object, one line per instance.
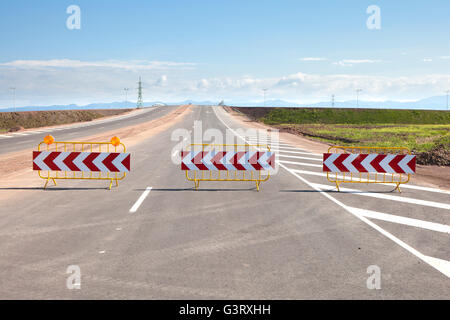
(19, 134)
(311, 173)
(293, 148)
(441, 265)
(303, 158)
(301, 163)
(141, 199)
(403, 186)
(385, 196)
(268, 142)
(294, 152)
(402, 220)
(5, 137)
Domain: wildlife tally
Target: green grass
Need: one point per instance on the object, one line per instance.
(419, 130)
(420, 138)
(354, 116)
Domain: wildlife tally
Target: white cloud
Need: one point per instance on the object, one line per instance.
(312, 59)
(83, 85)
(351, 62)
(427, 60)
(445, 57)
(114, 64)
(162, 81)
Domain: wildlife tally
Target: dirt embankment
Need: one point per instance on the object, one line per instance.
(16, 121)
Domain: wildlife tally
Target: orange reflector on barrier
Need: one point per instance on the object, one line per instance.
(48, 140)
(115, 141)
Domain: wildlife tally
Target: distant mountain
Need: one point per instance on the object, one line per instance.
(431, 103)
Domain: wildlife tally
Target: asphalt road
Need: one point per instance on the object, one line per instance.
(30, 138)
(291, 240)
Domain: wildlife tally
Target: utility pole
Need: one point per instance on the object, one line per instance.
(448, 91)
(332, 101)
(126, 93)
(140, 102)
(14, 97)
(357, 97)
(265, 90)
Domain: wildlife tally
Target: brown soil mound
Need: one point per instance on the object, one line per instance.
(439, 156)
(37, 119)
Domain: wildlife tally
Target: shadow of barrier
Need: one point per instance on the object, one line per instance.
(227, 162)
(57, 160)
(369, 165)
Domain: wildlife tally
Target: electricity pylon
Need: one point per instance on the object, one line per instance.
(140, 103)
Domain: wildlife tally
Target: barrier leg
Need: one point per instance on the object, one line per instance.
(257, 185)
(197, 184)
(398, 188)
(47, 181)
(117, 182)
(110, 184)
(337, 186)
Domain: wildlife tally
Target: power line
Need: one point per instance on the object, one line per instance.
(126, 93)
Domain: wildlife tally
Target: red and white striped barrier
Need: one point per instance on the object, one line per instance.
(81, 161)
(376, 163)
(227, 160)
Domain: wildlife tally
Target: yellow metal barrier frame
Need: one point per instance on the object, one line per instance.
(72, 175)
(368, 177)
(257, 178)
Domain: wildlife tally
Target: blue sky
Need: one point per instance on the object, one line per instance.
(302, 51)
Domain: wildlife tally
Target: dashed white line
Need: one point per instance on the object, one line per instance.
(141, 199)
